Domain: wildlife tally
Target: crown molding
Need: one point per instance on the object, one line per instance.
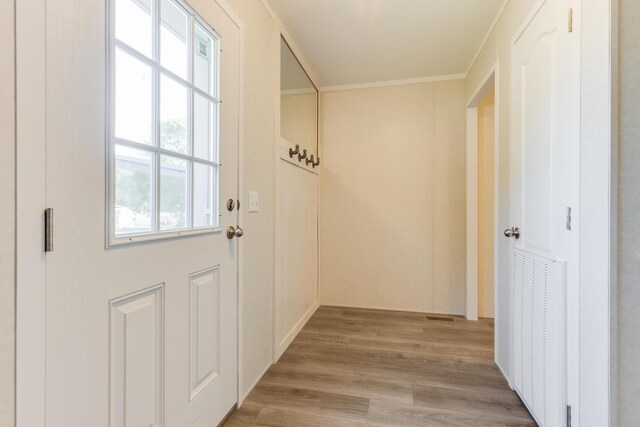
(487, 35)
(428, 79)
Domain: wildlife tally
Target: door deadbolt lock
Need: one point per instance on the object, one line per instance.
(231, 205)
(512, 232)
(234, 232)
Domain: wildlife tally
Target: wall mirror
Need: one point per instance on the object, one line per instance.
(298, 102)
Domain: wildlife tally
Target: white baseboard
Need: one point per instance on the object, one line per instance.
(288, 339)
(244, 396)
(504, 374)
(283, 346)
(406, 310)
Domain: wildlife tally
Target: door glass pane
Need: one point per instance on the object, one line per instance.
(174, 36)
(164, 96)
(173, 115)
(133, 190)
(174, 184)
(204, 213)
(133, 24)
(133, 106)
(203, 127)
(203, 60)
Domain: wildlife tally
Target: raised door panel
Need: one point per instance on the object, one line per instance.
(136, 359)
(537, 113)
(204, 326)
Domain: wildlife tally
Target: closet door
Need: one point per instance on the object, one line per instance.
(543, 199)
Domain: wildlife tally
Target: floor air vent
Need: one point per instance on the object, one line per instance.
(440, 318)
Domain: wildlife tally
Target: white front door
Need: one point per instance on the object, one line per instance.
(141, 319)
(544, 202)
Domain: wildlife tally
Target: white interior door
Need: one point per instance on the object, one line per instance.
(544, 178)
(141, 324)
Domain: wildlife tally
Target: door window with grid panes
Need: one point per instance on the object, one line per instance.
(163, 123)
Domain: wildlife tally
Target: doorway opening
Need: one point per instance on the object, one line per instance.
(486, 196)
(484, 267)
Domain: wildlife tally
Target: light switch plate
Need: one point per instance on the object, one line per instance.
(254, 201)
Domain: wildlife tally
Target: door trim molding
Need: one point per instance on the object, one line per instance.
(471, 295)
(597, 27)
(241, 197)
(491, 81)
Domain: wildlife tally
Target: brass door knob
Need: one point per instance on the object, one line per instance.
(512, 232)
(234, 232)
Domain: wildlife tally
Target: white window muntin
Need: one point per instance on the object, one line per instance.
(154, 148)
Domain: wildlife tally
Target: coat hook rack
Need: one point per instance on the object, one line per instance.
(293, 152)
(302, 155)
(310, 160)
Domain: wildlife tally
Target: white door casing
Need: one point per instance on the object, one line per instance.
(142, 334)
(501, 215)
(544, 180)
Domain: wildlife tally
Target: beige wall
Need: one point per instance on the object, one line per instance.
(7, 214)
(486, 124)
(296, 290)
(628, 339)
(261, 83)
(496, 50)
(258, 242)
(392, 197)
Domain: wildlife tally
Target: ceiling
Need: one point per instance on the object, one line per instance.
(350, 42)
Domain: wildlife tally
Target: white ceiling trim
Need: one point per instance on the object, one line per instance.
(297, 91)
(428, 79)
(292, 44)
(486, 36)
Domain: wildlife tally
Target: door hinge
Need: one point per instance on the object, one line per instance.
(568, 415)
(48, 230)
(568, 219)
(570, 19)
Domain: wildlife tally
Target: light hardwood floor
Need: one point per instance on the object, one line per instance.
(352, 367)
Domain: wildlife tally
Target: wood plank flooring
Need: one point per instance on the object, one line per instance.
(352, 367)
